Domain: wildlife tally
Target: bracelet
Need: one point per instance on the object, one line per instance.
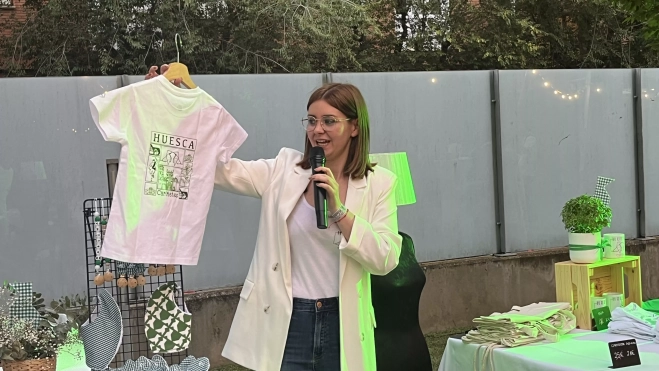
(339, 214)
(344, 215)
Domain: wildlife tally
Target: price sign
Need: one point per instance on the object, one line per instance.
(602, 318)
(624, 353)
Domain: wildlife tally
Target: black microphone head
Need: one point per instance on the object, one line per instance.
(317, 157)
(317, 152)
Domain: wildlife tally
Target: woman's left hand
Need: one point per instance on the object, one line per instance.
(326, 181)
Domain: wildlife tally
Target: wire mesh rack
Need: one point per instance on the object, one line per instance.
(131, 301)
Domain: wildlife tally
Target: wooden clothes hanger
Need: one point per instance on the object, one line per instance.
(178, 70)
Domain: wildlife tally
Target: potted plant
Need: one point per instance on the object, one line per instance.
(584, 218)
(25, 346)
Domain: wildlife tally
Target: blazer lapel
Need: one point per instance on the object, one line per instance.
(295, 186)
(354, 203)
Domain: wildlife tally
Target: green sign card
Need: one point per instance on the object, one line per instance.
(602, 318)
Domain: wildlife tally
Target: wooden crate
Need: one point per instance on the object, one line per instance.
(577, 283)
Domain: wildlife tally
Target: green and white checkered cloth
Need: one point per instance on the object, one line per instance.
(158, 363)
(600, 190)
(129, 269)
(22, 307)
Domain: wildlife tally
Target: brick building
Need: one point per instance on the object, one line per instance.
(10, 10)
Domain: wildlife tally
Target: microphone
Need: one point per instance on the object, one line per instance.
(317, 159)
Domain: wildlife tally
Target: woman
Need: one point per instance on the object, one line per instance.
(289, 316)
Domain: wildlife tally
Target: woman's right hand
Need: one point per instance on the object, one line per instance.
(153, 72)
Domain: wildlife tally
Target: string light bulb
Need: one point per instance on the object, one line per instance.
(558, 92)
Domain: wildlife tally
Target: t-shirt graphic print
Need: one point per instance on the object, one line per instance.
(171, 142)
(170, 164)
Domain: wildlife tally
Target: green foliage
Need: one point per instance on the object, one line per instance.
(109, 37)
(646, 13)
(74, 308)
(516, 43)
(21, 340)
(586, 214)
(241, 36)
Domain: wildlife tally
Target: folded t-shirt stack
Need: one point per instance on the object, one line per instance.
(522, 325)
(634, 321)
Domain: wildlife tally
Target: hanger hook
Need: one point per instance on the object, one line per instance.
(177, 39)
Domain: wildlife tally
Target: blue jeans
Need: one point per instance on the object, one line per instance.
(313, 336)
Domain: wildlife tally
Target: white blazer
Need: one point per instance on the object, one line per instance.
(258, 333)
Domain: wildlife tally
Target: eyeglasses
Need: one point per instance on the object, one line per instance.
(327, 122)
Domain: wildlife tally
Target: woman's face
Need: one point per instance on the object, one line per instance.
(333, 138)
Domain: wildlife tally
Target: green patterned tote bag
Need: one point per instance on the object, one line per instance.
(167, 327)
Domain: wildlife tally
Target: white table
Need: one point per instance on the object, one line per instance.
(576, 351)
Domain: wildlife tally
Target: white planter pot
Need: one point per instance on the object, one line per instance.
(579, 243)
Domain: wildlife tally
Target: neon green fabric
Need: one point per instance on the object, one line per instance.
(651, 305)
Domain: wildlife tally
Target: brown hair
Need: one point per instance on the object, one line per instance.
(349, 100)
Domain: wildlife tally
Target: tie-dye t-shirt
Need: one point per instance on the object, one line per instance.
(171, 142)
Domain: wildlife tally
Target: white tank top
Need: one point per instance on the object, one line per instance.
(314, 254)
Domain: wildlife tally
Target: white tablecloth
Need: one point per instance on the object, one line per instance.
(576, 351)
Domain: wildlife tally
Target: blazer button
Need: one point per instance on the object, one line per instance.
(267, 309)
(275, 266)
